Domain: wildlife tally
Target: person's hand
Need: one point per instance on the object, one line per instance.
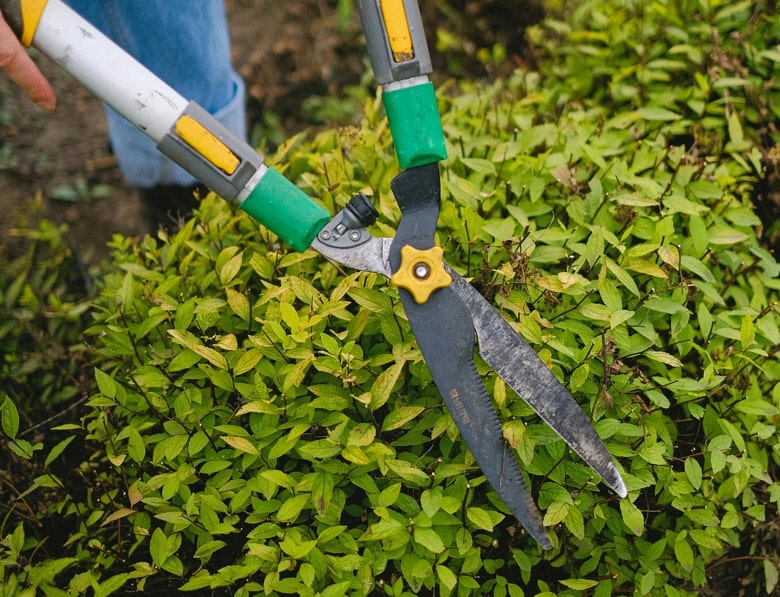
(22, 70)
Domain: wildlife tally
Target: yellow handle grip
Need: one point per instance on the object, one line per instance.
(23, 16)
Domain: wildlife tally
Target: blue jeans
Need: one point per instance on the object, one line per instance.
(187, 45)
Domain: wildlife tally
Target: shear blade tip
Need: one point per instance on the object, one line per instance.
(618, 486)
(540, 535)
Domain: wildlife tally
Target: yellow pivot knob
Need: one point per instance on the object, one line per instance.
(421, 272)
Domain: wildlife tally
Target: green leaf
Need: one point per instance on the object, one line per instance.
(169, 448)
(619, 317)
(238, 303)
(669, 255)
(400, 416)
(771, 576)
(632, 517)
(384, 384)
(747, 331)
(408, 472)
(209, 548)
(200, 580)
(730, 520)
(642, 266)
(705, 320)
(664, 305)
(373, 300)
(188, 340)
(610, 295)
(290, 316)
(125, 293)
(322, 491)
(501, 230)
(465, 192)
(429, 539)
(575, 522)
(579, 584)
(150, 323)
(241, 444)
(22, 448)
(158, 547)
(229, 264)
(16, 540)
(479, 165)
(702, 517)
(136, 447)
(431, 501)
(447, 577)
(295, 546)
(105, 383)
(656, 113)
(653, 453)
(330, 344)
(757, 407)
(118, 515)
(295, 376)
(664, 357)
(389, 495)
(58, 449)
(622, 276)
(513, 432)
(724, 235)
(291, 509)
(112, 584)
(174, 565)
(9, 417)
(683, 551)
(336, 590)
(693, 471)
(556, 513)
(736, 136)
(480, 518)
(278, 478)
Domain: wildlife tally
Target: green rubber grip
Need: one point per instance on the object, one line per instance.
(415, 124)
(283, 208)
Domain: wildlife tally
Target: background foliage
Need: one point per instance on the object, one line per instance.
(261, 422)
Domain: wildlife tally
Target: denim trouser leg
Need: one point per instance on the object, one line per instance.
(185, 43)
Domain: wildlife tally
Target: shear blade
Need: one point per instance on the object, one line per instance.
(443, 329)
(517, 363)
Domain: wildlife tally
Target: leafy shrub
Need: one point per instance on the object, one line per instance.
(264, 423)
(44, 369)
(708, 69)
(42, 308)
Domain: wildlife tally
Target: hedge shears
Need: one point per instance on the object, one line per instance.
(444, 311)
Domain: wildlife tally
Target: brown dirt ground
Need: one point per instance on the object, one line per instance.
(284, 50)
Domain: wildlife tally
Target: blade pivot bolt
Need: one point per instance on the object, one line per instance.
(421, 272)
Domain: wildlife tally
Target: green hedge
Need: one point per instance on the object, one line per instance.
(263, 423)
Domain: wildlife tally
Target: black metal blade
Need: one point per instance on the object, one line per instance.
(445, 334)
(517, 363)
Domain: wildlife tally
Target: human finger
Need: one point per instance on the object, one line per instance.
(23, 71)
